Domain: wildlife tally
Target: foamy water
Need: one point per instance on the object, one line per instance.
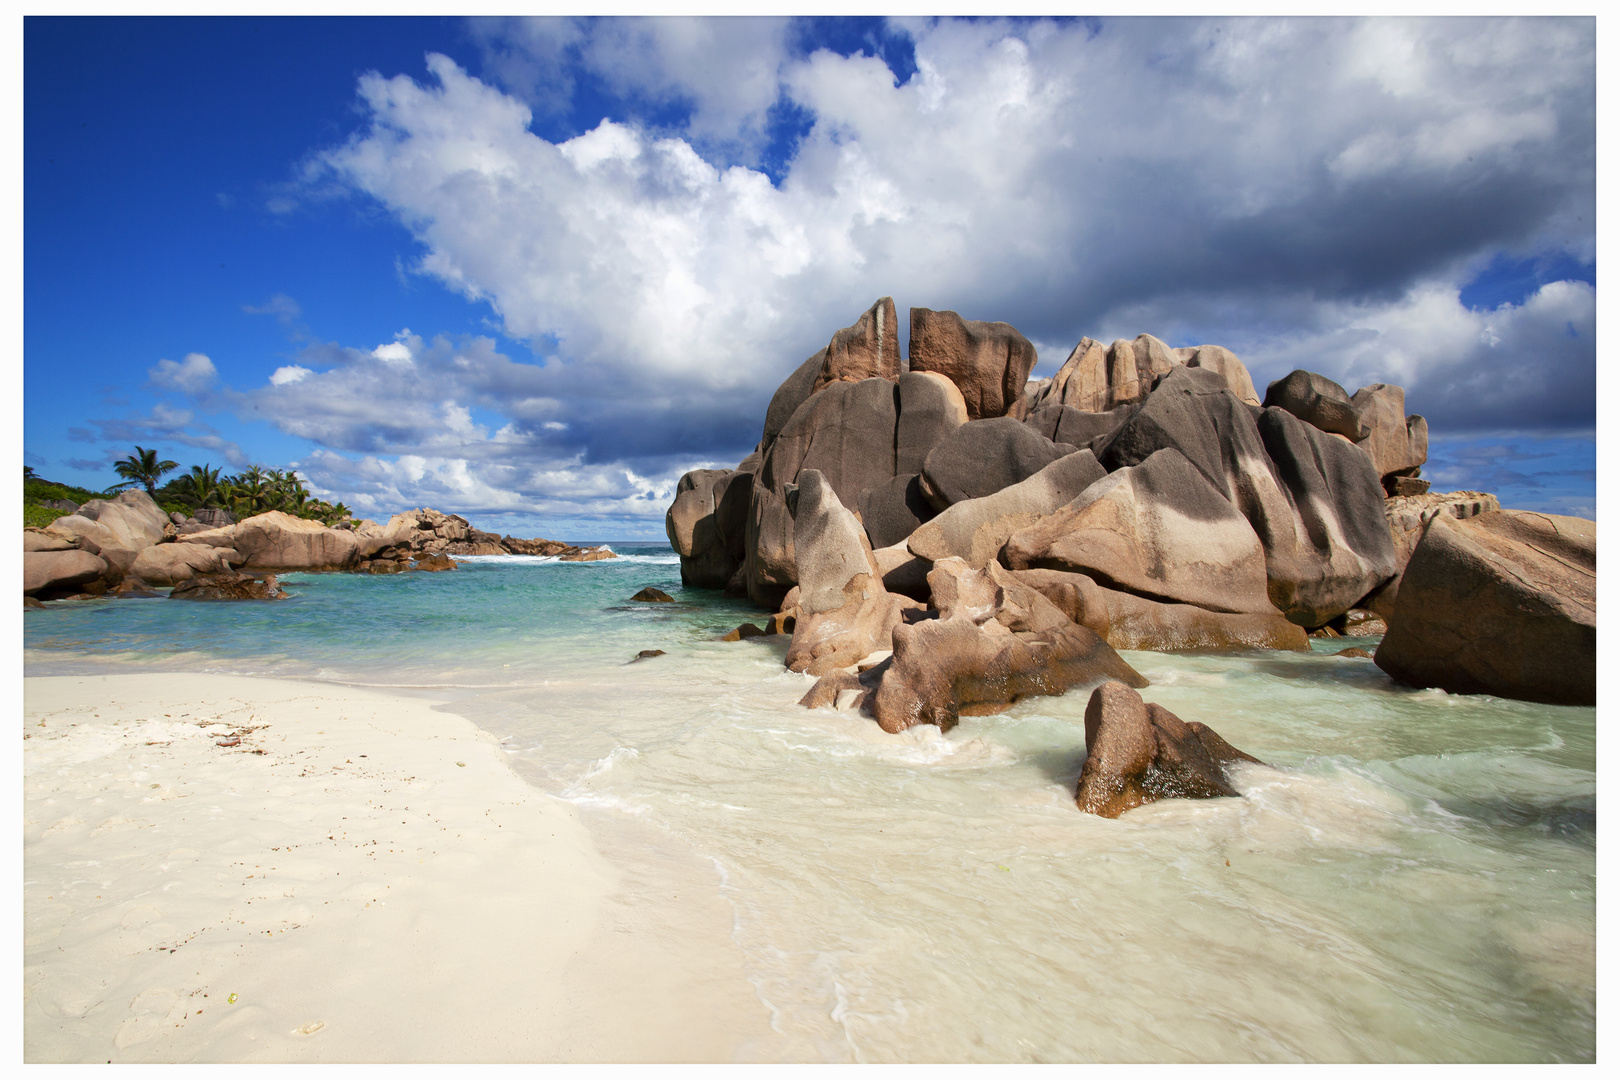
(1410, 878)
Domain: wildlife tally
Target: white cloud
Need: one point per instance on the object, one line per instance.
(1310, 193)
(395, 352)
(289, 374)
(192, 375)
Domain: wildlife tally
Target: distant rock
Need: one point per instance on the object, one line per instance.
(595, 554)
(1138, 752)
(988, 361)
(229, 586)
(1503, 603)
(654, 596)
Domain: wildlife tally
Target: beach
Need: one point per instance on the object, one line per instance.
(354, 876)
(668, 859)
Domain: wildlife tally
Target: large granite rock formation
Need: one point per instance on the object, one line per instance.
(1159, 530)
(988, 361)
(1317, 400)
(170, 564)
(983, 456)
(976, 529)
(995, 642)
(55, 571)
(1502, 603)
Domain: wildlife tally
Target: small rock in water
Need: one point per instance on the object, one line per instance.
(746, 630)
(647, 654)
(1359, 653)
(1137, 752)
(435, 562)
(231, 586)
(654, 596)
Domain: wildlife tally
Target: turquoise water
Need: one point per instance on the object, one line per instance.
(1412, 877)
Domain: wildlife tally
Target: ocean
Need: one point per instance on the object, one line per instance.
(1411, 876)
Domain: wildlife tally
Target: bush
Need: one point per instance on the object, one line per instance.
(39, 516)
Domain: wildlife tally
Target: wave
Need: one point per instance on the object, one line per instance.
(548, 560)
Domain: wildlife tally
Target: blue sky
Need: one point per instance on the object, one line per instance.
(532, 271)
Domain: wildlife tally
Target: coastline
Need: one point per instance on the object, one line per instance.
(363, 871)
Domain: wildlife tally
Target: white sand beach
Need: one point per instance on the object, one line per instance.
(361, 877)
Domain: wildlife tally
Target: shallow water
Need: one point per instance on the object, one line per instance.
(1410, 878)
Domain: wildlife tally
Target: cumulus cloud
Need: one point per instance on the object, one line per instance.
(164, 424)
(192, 375)
(1310, 193)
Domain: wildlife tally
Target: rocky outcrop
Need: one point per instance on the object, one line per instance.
(1128, 621)
(117, 530)
(1137, 752)
(988, 361)
(229, 586)
(278, 541)
(995, 642)
(1501, 603)
(1317, 400)
(1407, 516)
(50, 572)
(983, 456)
(1398, 444)
(1310, 497)
(592, 554)
(40, 540)
(1086, 430)
(868, 350)
(1158, 529)
(976, 529)
(170, 564)
(694, 532)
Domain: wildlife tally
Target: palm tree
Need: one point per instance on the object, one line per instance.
(201, 486)
(143, 467)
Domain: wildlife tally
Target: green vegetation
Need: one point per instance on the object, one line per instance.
(253, 491)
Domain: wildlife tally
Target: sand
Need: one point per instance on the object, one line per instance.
(361, 877)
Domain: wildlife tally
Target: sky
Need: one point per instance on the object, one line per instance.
(531, 271)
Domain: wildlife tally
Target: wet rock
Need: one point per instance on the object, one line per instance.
(1355, 652)
(988, 361)
(595, 554)
(133, 588)
(856, 628)
(996, 641)
(1138, 752)
(33, 604)
(434, 563)
(745, 631)
(824, 694)
(229, 586)
(646, 654)
(1503, 603)
(653, 596)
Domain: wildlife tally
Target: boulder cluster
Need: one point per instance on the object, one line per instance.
(949, 536)
(128, 545)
